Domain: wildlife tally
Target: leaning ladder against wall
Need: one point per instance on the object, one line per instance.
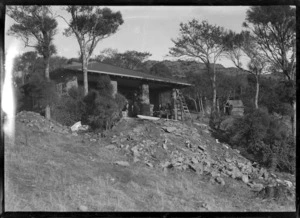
(182, 109)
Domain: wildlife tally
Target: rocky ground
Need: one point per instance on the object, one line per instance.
(161, 154)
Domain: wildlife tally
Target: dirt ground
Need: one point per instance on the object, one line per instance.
(139, 165)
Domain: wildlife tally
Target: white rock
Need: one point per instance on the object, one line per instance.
(288, 183)
(76, 126)
(245, 179)
(83, 208)
(122, 163)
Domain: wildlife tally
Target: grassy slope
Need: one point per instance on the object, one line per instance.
(47, 171)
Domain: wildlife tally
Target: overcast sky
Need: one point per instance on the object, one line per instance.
(145, 28)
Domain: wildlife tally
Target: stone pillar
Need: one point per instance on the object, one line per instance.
(115, 87)
(144, 100)
(174, 105)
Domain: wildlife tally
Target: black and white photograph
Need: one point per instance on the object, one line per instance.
(149, 108)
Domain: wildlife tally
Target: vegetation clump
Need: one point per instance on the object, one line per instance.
(102, 109)
(264, 139)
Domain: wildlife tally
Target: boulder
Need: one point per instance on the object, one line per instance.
(169, 129)
(288, 183)
(122, 163)
(245, 179)
(220, 180)
(257, 187)
(76, 126)
(110, 146)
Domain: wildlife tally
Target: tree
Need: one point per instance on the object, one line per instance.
(160, 69)
(36, 26)
(274, 28)
(241, 45)
(132, 60)
(25, 64)
(91, 24)
(201, 41)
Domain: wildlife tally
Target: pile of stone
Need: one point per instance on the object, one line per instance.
(171, 144)
(38, 122)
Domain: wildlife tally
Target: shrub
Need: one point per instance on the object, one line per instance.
(38, 93)
(264, 139)
(101, 109)
(70, 108)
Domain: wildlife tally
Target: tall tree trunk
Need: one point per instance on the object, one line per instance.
(47, 76)
(257, 92)
(214, 89)
(85, 73)
(195, 103)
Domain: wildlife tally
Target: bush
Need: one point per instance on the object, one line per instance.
(38, 93)
(102, 111)
(70, 108)
(264, 139)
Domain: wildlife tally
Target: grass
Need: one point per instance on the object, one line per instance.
(56, 172)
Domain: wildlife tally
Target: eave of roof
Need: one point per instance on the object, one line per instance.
(140, 75)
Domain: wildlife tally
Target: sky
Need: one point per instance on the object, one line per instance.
(145, 29)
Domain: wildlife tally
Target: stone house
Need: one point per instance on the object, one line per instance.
(234, 108)
(153, 91)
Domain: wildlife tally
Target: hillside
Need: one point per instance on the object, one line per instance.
(181, 68)
(139, 165)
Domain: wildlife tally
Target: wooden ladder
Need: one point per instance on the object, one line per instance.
(182, 108)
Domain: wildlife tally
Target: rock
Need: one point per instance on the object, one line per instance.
(110, 147)
(225, 146)
(188, 143)
(170, 129)
(217, 141)
(135, 159)
(93, 140)
(194, 160)
(201, 147)
(165, 146)
(83, 208)
(257, 187)
(76, 126)
(220, 180)
(236, 150)
(122, 163)
(228, 160)
(245, 179)
(288, 183)
(167, 164)
(149, 164)
(214, 174)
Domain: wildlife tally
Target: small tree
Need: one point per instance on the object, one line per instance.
(204, 42)
(36, 26)
(274, 29)
(91, 24)
(240, 45)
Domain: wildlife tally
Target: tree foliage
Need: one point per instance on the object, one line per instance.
(203, 42)
(132, 60)
(160, 69)
(274, 29)
(91, 24)
(36, 26)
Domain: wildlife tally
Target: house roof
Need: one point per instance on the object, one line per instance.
(235, 103)
(101, 68)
